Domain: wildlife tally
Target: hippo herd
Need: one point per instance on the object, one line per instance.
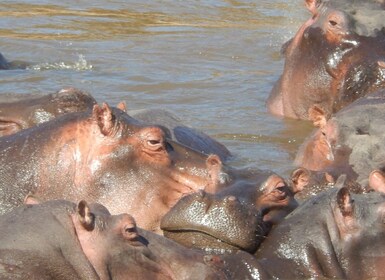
(93, 191)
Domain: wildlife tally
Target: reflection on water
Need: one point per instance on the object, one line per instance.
(211, 62)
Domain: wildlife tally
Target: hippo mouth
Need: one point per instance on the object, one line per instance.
(202, 240)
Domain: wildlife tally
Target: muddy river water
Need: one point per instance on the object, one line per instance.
(212, 62)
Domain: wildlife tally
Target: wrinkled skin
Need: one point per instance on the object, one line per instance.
(235, 218)
(25, 111)
(181, 133)
(333, 235)
(351, 142)
(106, 156)
(62, 240)
(329, 62)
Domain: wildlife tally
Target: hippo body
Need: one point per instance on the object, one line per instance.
(106, 156)
(237, 217)
(350, 142)
(332, 235)
(21, 112)
(9, 65)
(336, 57)
(61, 240)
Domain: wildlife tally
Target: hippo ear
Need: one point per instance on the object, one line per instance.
(31, 199)
(318, 116)
(86, 218)
(300, 179)
(104, 117)
(311, 5)
(345, 202)
(377, 181)
(214, 165)
(122, 106)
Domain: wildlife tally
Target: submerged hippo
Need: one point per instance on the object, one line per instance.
(336, 57)
(7, 65)
(106, 156)
(235, 218)
(61, 240)
(27, 111)
(351, 142)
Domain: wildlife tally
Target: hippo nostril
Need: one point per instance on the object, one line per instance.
(231, 199)
(201, 193)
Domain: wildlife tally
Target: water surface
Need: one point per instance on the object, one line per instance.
(212, 63)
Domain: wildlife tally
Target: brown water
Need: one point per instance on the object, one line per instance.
(211, 62)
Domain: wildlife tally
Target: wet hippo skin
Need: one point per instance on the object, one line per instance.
(24, 111)
(337, 56)
(237, 217)
(103, 155)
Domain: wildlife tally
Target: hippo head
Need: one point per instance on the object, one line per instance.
(236, 218)
(336, 56)
(31, 111)
(111, 158)
(113, 245)
(349, 142)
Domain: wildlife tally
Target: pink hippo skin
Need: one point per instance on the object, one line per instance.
(61, 240)
(350, 142)
(336, 57)
(105, 156)
(23, 111)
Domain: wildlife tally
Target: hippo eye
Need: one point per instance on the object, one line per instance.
(154, 142)
(332, 22)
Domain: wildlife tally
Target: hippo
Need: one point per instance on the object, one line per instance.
(237, 217)
(337, 56)
(335, 234)
(106, 156)
(59, 239)
(350, 142)
(25, 111)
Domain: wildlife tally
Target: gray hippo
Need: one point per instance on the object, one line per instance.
(336, 56)
(334, 235)
(62, 240)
